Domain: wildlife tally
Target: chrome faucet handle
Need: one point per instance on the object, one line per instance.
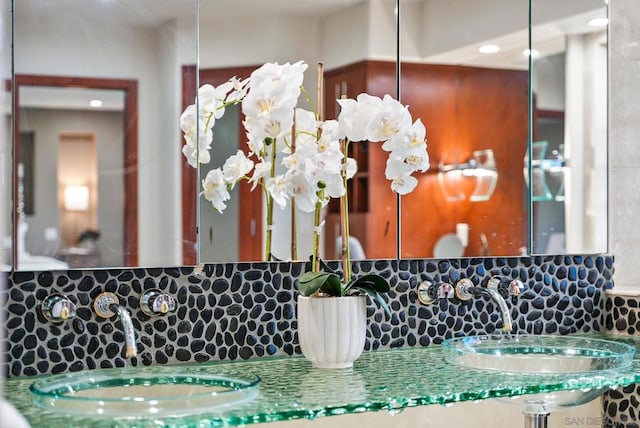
(463, 289)
(516, 287)
(103, 304)
(507, 287)
(446, 291)
(58, 308)
(429, 293)
(156, 302)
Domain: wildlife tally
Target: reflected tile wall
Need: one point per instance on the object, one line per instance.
(622, 316)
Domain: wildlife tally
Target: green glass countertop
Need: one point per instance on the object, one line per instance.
(379, 381)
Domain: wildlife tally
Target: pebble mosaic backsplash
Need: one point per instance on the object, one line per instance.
(248, 310)
(622, 406)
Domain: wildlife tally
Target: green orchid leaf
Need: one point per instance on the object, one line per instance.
(333, 286)
(374, 282)
(312, 282)
(376, 298)
(326, 267)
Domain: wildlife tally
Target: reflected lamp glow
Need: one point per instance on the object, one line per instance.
(479, 173)
(76, 198)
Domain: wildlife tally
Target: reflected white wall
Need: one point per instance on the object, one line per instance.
(548, 82)
(586, 143)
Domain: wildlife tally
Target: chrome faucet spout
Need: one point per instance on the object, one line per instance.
(507, 321)
(107, 305)
(130, 350)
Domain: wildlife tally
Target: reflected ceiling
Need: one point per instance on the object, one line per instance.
(154, 12)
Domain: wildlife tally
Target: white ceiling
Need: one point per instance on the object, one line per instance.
(70, 98)
(154, 12)
(548, 37)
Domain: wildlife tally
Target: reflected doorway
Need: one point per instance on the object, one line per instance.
(129, 139)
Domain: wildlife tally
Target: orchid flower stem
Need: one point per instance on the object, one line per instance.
(267, 250)
(270, 206)
(344, 218)
(315, 259)
(294, 231)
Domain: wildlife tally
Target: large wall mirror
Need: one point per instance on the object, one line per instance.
(465, 72)
(96, 165)
(356, 43)
(479, 198)
(569, 127)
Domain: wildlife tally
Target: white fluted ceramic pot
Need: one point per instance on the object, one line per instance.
(332, 330)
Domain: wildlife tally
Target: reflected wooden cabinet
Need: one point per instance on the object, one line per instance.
(372, 204)
(465, 109)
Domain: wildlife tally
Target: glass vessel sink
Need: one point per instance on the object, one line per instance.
(541, 355)
(141, 392)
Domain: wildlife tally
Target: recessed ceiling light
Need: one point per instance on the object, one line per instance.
(598, 22)
(534, 53)
(489, 49)
(95, 103)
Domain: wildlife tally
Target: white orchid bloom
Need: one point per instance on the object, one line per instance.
(294, 73)
(291, 162)
(238, 89)
(356, 115)
(211, 101)
(277, 126)
(261, 171)
(329, 158)
(306, 149)
(396, 167)
(215, 189)
(351, 167)
(269, 93)
(189, 120)
(413, 138)
(195, 156)
(404, 184)
(418, 134)
(290, 76)
(303, 159)
(399, 172)
(417, 158)
(197, 143)
(331, 130)
(190, 123)
(334, 186)
(255, 137)
(393, 119)
(271, 99)
(236, 167)
(278, 189)
(303, 190)
(306, 122)
(273, 122)
(255, 145)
